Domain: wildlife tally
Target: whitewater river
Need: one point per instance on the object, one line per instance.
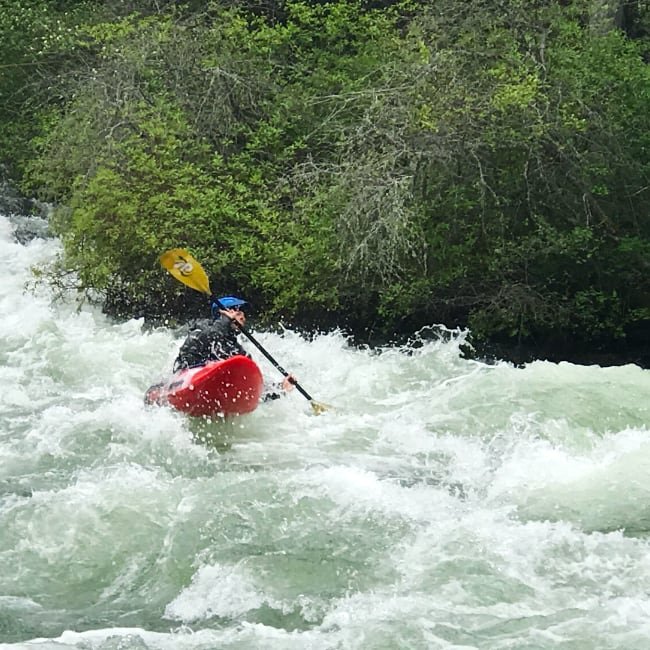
(444, 503)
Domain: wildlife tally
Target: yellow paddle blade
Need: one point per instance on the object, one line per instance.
(186, 269)
(319, 407)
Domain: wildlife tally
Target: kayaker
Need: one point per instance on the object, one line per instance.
(216, 340)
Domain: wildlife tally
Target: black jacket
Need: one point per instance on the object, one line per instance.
(209, 341)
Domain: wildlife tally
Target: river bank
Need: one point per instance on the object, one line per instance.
(30, 220)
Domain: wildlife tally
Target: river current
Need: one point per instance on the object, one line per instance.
(442, 502)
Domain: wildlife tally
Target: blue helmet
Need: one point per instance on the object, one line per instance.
(226, 302)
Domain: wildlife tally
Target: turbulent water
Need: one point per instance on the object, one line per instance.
(443, 503)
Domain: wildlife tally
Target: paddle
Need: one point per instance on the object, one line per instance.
(187, 270)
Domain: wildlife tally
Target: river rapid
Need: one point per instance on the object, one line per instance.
(442, 502)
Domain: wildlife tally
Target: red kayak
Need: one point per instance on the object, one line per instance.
(229, 387)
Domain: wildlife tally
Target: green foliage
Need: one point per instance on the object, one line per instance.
(534, 143)
(474, 163)
(36, 42)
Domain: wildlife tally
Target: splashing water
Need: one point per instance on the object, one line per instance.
(444, 503)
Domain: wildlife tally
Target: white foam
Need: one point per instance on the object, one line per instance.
(216, 590)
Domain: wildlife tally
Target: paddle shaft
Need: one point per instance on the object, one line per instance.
(259, 346)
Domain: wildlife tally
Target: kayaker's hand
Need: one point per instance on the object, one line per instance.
(235, 315)
(289, 383)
